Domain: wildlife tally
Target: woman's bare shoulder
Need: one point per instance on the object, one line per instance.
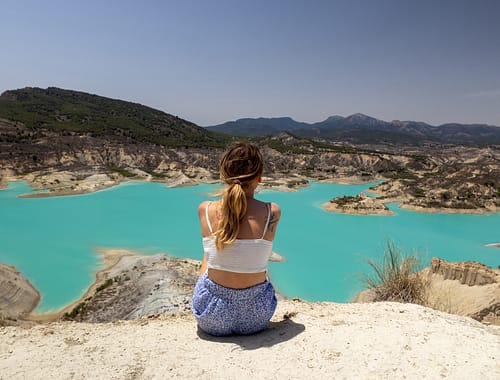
(275, 209)
(202, 207)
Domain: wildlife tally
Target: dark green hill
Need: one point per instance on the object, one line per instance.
(68, 111)
(258, 127)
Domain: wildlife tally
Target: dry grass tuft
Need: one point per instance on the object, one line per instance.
(396, 277)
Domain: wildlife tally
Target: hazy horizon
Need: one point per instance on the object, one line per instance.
(212, 62)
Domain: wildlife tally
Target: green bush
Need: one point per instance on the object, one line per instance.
(418, 193)
(347, 199)
(105, 285)
(123, 172)
(398, 173)
(78, 310)
(396, 277)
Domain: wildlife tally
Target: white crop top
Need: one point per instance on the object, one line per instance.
(242, 255)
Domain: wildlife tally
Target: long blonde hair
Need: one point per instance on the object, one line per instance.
(239, 165)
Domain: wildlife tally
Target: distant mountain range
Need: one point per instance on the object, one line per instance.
(359, 128)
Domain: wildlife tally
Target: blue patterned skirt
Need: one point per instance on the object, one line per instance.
(225, 311)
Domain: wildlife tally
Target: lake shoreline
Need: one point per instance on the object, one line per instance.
(103, 181)
(110, 257)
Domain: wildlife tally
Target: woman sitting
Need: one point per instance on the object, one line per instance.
(233, 295)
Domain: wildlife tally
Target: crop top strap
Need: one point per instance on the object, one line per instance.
(268, 206)
(208, 220)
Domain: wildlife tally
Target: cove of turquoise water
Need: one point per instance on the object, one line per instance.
(52, 240)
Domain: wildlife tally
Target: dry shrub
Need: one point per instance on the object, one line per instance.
(396, 277)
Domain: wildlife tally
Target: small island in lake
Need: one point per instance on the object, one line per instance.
(358, 204)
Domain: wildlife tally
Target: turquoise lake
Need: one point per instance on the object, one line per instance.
(52, 240)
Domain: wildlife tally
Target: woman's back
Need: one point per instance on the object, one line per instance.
(258, 222)
(242, 263)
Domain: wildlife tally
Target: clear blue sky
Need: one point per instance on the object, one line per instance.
(213, 61)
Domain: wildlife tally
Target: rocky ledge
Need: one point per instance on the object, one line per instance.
(131, 286)
(18, 297)
(467, 288)
(139, 286)
(304, 340)
(467, 273)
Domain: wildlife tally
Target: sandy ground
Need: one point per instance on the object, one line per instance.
(317, 341)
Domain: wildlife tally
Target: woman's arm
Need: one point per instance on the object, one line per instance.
(204, 232)
(203, 267)
(273, 221)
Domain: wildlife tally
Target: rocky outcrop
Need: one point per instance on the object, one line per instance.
(463, 288)
(139, 286)
(467, 288)
(17, 296)
(468, 273)
(455, 179)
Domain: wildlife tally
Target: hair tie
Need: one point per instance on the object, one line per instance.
(236, 182)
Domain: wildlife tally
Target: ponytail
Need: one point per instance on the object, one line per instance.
(233, 208)
(241, 164)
